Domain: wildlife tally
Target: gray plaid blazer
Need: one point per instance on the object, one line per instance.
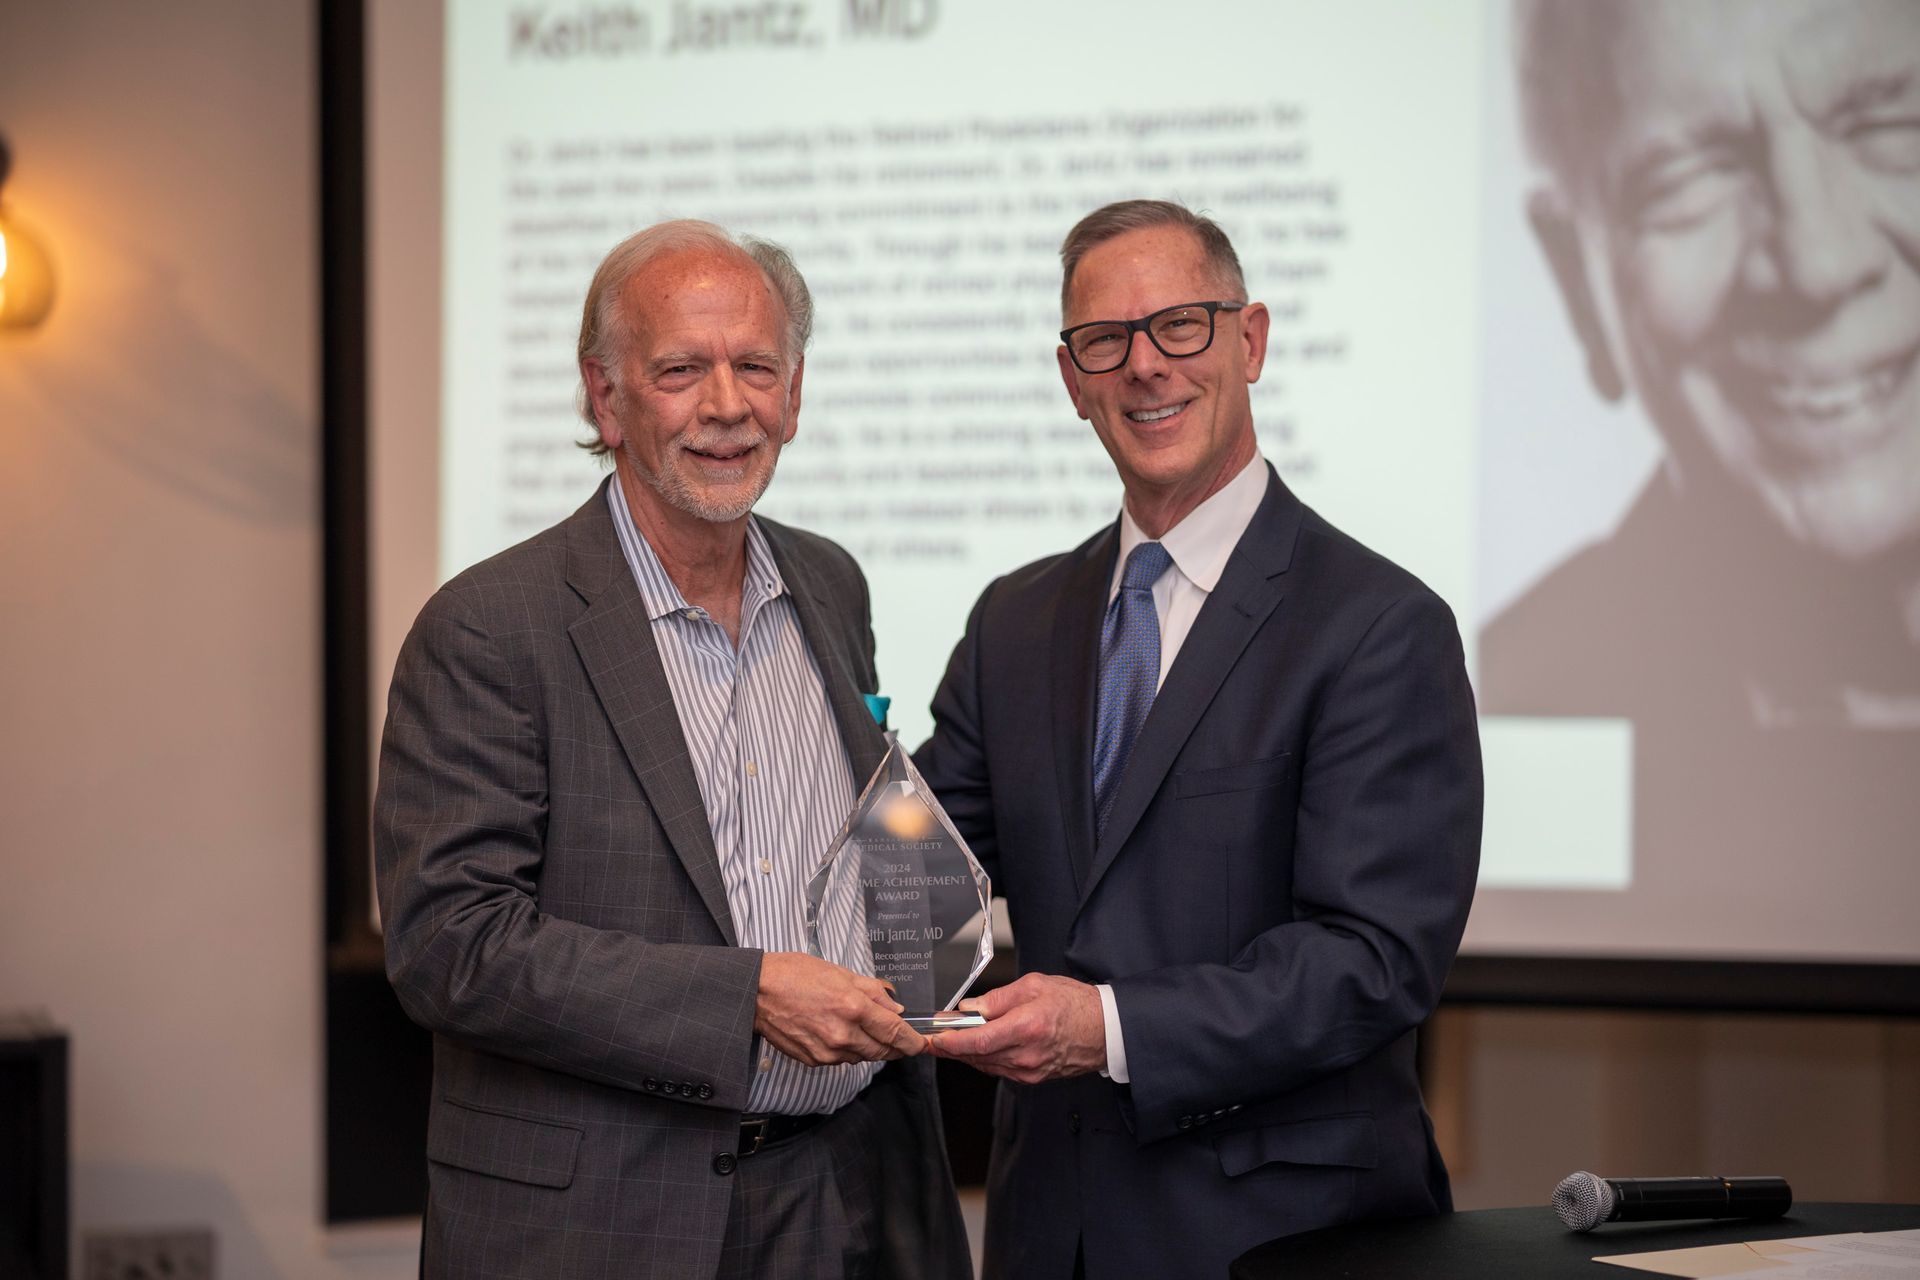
(555, 915)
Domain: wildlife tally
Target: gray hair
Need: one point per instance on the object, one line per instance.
(1113, 220)
(604, 335)
(1563, 61)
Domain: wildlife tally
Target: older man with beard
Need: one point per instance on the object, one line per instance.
(613, 755)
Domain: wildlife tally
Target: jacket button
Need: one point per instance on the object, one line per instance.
(723, 1163)
(686, 1089)
(1184, 1122)
(1073, 1122)
(705, 1091)
(651, 1085)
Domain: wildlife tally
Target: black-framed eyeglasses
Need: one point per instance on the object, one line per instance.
(1185, 330)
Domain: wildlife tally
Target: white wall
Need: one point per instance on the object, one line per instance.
(159, 613)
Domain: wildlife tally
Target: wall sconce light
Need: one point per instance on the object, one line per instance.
(26, 274)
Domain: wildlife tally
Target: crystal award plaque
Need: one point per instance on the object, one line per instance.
(899, 896)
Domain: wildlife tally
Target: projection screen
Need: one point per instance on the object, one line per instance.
(1602, 319)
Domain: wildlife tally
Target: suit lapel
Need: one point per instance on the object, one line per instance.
(827, 640)
(614, 639)
(1250, 588)
(1078, 609)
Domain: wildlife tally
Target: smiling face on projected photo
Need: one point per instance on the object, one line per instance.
(1743, 252)
(705, 393)
(1177, 428)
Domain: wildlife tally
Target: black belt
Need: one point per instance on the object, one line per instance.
(760, 1132)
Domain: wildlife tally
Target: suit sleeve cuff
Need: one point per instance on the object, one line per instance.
(1116, 1069)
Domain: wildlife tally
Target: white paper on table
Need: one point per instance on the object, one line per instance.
(1855, 1255)
(1878, 1255)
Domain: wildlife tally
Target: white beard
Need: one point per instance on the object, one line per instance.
(678, 492)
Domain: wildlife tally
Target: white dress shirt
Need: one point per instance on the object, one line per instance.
(773, 773)
(1199, 545)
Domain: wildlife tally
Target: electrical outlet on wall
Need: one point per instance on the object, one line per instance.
(178, 1253)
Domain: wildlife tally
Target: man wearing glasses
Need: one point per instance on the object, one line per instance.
(1222, 761)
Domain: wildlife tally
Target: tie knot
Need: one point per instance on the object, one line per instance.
(1144, 566)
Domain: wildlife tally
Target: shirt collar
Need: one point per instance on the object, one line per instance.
(1201, 543)
(657, 590)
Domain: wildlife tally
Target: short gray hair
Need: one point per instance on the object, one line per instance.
(1569, 90)
(1111, 221)
(604, 335)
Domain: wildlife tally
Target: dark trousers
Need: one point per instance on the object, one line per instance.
(808, 1207)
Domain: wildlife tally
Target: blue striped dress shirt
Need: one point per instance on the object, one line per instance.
(773, 772)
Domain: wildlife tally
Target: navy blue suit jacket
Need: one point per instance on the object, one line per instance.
(1276, 899)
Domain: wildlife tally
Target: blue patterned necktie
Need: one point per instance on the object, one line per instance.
(1129, 672)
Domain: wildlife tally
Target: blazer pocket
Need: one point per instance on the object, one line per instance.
(502, 1145)
(1344, 1141)
(1247, 776)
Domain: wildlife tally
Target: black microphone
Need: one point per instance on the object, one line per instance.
(1584, 1200)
